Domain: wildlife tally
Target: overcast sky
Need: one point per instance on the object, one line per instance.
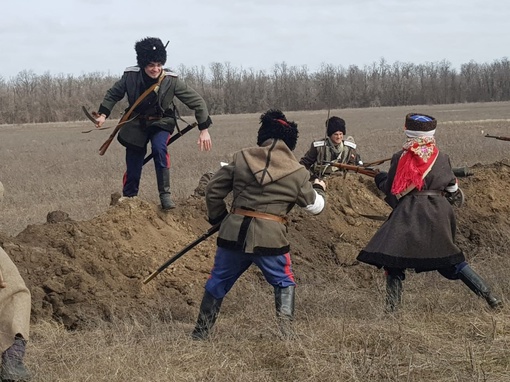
(84, 36)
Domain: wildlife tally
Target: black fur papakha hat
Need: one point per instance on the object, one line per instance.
(420, 122)
(335, 124)
(274, 125)
(150, 49)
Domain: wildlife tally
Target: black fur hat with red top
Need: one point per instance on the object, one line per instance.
(274, 125)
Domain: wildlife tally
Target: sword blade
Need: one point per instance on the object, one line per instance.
(88, 115)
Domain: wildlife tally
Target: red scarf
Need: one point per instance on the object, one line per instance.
(415, 163)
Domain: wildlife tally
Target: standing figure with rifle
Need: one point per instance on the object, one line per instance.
(151, 116)
(420, 232)
(333, 148)
(266, 182)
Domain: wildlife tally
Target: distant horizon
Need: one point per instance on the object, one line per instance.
(207, 67)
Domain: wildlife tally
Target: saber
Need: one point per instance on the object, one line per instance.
(93, 119)
(215, 228)
(89, 116)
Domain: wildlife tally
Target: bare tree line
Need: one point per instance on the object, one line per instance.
(31, 98)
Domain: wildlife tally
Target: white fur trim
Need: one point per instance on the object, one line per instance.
(452, 188)
(418, 134)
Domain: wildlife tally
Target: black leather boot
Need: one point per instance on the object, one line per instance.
(284, 303)
(478, 285)
(209, 310)
(393, 291)
(13, 368)
(163, 179)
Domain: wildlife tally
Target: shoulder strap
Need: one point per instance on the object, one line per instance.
(143, 95)
(125, 117)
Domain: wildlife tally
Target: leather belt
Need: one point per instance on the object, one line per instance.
(427, 192)
(149, 117)
(259, 215)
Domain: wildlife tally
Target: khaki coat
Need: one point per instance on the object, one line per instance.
(15, 303)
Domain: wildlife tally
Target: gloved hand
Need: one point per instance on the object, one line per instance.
(455, 198)
(217, 219)
(380, 177)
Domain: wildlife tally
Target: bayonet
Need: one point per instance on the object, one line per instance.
(497, 137)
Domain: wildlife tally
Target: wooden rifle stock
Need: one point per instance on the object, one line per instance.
(107, 143)
(359, 169)
(497, 137)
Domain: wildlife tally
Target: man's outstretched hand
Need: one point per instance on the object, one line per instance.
(204, 140)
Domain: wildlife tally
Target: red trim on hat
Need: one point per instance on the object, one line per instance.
(284, 123)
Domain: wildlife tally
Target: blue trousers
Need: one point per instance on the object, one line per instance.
(134, 160)
(451, 273)
(229, 265)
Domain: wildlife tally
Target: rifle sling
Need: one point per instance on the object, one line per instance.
(142, 97)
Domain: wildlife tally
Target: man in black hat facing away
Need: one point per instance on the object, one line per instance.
(332, 148)
(153, 119)
(266, 182)
(420, 232)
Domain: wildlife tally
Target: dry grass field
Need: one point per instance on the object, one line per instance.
(48, 167)
(94, 321)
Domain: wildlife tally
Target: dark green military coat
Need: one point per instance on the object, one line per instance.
(323, 151)
(159, 104)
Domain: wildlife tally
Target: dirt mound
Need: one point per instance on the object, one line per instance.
(82, 272)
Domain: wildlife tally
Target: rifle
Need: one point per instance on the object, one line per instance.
(215, 228)
(174, 138)
(375, 163)
(497, 137)
(171, 140)
(359, 169)
(462, 172)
